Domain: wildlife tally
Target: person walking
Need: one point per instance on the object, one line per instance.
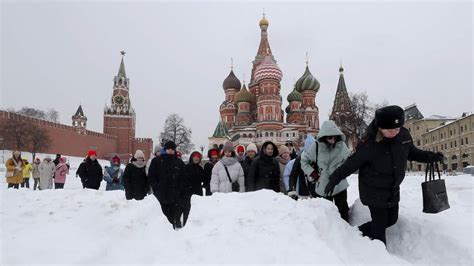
(381, 158)
(60, 172)
(14, 167)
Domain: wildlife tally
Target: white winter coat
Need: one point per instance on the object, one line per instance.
(220, 181)
(46, 170)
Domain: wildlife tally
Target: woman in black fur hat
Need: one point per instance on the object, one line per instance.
(381, 158)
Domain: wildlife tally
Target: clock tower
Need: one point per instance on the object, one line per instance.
(119, 117)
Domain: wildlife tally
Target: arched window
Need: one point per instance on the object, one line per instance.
(266, 134)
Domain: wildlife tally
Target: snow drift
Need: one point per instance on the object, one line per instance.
(76, 226)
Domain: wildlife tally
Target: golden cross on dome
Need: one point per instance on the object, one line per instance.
(123, 52)
(244, 79)
(231, 63)
(307, 59)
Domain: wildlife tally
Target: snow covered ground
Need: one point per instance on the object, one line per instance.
(76, 226)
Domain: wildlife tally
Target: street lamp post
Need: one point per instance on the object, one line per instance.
(3, 149)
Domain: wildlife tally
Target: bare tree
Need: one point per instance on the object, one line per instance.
(176, 131)
(364, 111)
(38, 140)
(15, 134)
(50, 115)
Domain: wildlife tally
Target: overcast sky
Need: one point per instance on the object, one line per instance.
(62, 54)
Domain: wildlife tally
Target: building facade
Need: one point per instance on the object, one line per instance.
(451, 136)
(253, 112)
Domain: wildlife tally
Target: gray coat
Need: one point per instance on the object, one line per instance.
(46, 174)
(329, 159)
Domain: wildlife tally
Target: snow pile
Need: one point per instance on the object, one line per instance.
(77, 226)
(83, 226)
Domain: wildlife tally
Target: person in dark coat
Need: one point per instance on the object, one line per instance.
(265, 171)
(171, 186)
(56, 160)
(90, 171)
(213, 155)
(381, 158)
(251, 153)
(134, 178)
(195, 173)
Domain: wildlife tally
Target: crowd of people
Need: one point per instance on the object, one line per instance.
(318, 170)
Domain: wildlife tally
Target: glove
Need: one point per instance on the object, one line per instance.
(438, 157)
(329, 189)
(293, 195)
(313, 177)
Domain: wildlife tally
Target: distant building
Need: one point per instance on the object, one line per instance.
(254, 111)
(443, 134)
(119, 128)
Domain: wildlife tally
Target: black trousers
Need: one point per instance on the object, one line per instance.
(15, 186)
(340, 200)
(26, 183)
(382, 218)
(58, 185)
(174, 212)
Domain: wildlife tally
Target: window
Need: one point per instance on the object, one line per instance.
(244, 135)
(455, 143)
(250, 135)
(462, 128)
(266, 134)
(462, 142)
(445, 145)
(450, 133)
(294, 135)
(467, 142)
(418, 143)
(451, 144)
(271, 134)
(287, 134)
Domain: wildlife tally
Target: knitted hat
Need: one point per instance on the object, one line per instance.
(389, 117)
(139, 154)
(16, 153)
(170, 145)
(228, 146)
(240, 148)
(212, 152)
(282, 149)
(196, 154)
(62, 159)
(91, 153)
(252, 147)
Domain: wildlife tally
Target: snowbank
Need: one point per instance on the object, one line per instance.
(76, 226)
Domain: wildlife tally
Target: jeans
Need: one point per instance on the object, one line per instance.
(382, 218)
(36, 183)
(26, 183)
(58, 185)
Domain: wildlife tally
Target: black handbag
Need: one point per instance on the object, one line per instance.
(435, 196)
(235, 185)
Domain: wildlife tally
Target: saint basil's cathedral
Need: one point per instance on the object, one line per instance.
(253, 113)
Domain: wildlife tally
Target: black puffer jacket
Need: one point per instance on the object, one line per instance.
(298, 179)
(196, 176)
(135, 182)
(246, 164)
(265, 171)
(169, 181)
(381, 166)
(208, 172)
(90, 173)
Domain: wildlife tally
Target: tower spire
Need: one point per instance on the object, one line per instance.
(307, 59)
(121, 72)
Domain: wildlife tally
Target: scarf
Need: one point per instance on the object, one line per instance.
(228, 161)
(139, 164)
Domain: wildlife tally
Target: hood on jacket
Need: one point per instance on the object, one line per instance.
(62, 160)
(275, 148)
(113, 159)
(309, 141)
(329, 128)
